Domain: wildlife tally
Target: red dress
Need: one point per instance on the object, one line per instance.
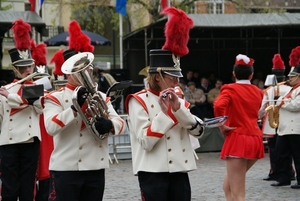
(241, 103)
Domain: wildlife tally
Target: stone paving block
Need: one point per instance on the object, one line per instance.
(206, 182)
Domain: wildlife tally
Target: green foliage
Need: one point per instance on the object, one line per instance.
(7, 7)
(94, 16)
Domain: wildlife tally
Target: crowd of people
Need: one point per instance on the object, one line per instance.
(200, 93)
(52, 148)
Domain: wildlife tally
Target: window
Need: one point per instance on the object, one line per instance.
(219, 8)
(215, 6)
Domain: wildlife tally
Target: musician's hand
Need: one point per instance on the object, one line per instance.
(225, 129)
(103, 125)
(82, 95)
(3, 92)
(171, 99)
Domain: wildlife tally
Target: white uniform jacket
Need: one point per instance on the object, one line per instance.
(19, 120)
(268, 99)
(160, 142)
(289, 112)
(74, 147)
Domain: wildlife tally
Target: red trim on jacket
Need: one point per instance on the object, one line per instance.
(153, 134)
(139, 99)
(57, 121)
(53, 98)
(25, 102)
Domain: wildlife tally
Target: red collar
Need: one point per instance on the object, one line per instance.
(25, 82)
(154, 92)
(72, 87)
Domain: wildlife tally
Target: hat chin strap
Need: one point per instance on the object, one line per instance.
(17, 73)
(163, 79)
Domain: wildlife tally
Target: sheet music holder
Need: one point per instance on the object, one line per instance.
(117, 89)
(33, 91)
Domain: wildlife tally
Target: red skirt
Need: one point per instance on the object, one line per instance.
(242, 146)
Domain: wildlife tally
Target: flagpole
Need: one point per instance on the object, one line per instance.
(121, 41)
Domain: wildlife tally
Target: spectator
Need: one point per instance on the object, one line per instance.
(182, 85)
(261, 84)
(204, 85)
(105, 80)
(196, 98)
(196, 78)
(188, 76)
(212, 79)
(213, 93)
(206, 107)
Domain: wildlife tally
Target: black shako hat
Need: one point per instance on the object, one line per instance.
(295, 71)
(20, 58)
(164, 61)
(68, 53)
(295, 62)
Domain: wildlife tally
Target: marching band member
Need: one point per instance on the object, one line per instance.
(243, 138)
(78, 160)
(160, 122)
(46, 146)
(277, 87)
(20, 132)
(288, 139)
(59, 57)
(39, 53)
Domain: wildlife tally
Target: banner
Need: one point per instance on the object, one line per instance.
(121, 7)
(36, 5)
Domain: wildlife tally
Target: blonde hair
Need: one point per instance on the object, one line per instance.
(153, 84)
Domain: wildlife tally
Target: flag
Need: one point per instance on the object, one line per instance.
(36, 5)
(121, 7)
(164, 4)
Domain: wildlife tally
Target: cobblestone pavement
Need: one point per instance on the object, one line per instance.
(206, 182)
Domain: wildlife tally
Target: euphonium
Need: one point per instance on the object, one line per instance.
(79, 67)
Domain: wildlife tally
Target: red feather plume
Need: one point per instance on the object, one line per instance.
(78, 41)
(21, 32)
(58, 59)
(295, 56)
(278, 62)
(38, 53)
(177, 31)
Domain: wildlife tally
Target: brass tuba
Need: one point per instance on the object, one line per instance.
(79, 66)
